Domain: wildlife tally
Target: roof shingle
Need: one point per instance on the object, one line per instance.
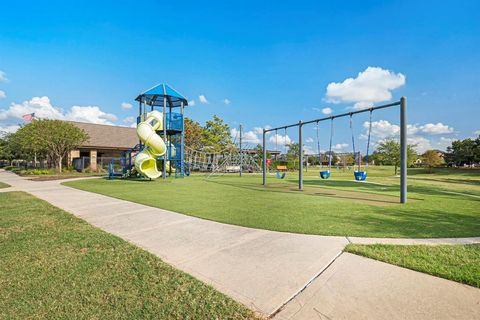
(106, 136)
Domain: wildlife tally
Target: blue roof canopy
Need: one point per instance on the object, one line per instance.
(155, 96)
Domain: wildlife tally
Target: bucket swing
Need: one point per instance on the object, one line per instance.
(280, 175)
(325, 174)
(359, 174)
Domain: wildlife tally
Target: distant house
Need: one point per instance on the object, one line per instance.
(440, 153)
(419, 160)
(104, 142)
(253, 152)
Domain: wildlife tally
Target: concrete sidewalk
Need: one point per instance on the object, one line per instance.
(268, 271)
(355, 287)
(261, 269)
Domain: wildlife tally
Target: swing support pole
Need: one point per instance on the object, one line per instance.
(403, 150)
(300, 155)
(264, 158)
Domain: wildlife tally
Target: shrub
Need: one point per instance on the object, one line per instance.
(34, 172)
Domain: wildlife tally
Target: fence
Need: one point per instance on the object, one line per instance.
(83, 163)
(78, 164)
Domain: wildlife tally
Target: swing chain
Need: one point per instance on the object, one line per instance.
(276, 144)
(369, 134)
(330, 147)
(353, 145)
(318, 145)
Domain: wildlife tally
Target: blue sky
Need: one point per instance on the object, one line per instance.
(273, 61)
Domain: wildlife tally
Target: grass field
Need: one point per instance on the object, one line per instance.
(459, 263)
(56, 266)
(4, 185)
(445, 203)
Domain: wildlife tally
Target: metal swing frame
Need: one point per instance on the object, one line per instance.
(402, 103)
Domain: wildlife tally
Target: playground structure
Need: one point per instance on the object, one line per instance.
(161, 137)
(359, 174)
(236, 159)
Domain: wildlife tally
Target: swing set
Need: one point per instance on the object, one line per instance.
(360, 172)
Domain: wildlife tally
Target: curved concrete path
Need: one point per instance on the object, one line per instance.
(283, 275)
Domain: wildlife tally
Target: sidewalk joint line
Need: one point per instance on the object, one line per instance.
(306, 286)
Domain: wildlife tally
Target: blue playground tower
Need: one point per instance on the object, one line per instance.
(165, 99)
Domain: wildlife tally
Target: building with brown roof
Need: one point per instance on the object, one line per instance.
(105, 142)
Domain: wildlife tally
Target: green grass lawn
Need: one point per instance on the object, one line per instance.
(459, 263)
(54, 265)
(338, 206)
(3, 185)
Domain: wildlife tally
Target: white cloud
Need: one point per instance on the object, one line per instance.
(40, 105)
(226, 101)
(323, 110)
(91, 114)
(327, 110)
(235, 133)
(2, 94)
(3, 76)
(250, 137)
(9, 129)
(126, 105)
(339, 147)
(191, 103)
(477, 132)
(309, 140)
(247, 136)
(280, 140)
(258, 130)
(362, 105)
(202, 99)
(374, 84)
(307, 150)
(128, 120)
(43, 108)
(383, 129)
(422, 144)
(443, 143)
(438, 128)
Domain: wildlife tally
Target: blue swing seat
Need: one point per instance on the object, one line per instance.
(360, 175)
(280, 175)
(325, 174)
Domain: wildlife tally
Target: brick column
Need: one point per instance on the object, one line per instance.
(93, 160)
(71, 155)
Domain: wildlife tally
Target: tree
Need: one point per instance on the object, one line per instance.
(5, 150)
(432, 159)
(216, 135)
(293, 150)
(50, 138)
(193, 134)
(465, 151)
(388, 153)
(293, 153)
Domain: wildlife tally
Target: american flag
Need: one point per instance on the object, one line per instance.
(28, 117)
